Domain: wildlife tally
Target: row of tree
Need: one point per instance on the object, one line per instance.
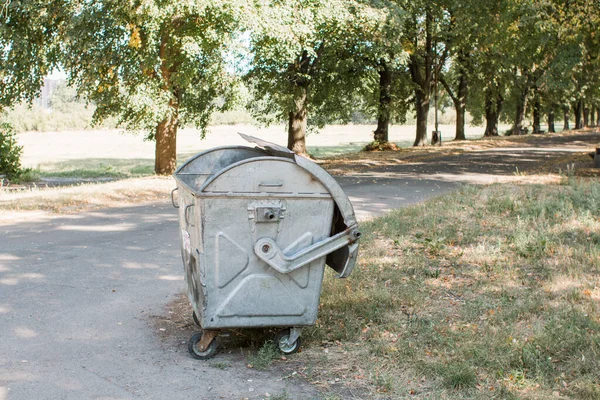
(157, 64)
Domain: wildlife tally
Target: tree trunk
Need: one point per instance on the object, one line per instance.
(578, 112)
(586, 117)
(421, 72)
(598, 117)
(592, 115)
(520, 113)
(460, 104)
(492, 114)
(165, 161)
(551, 128)
(385, 99)
(422, 106)
(566, 118)
(297, 124)
(537, 115)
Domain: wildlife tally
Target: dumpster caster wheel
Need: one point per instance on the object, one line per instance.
(196, 321)
(202, 351)
(282, 341)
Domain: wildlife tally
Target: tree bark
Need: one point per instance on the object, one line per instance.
(537, 115)
(566, 118)
(422, 101)
(520, 113)
(165, 161)
(592, 116)
(385, 99)
(421, 73)
(578, 112)
(460, 103)
(586, 117)
(493, 107)
(297, 123)
(551, 128)
(461, 106)
(598, 116)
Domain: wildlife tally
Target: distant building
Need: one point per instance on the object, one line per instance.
(49, 87)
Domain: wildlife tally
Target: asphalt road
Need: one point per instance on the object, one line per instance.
(77, 292)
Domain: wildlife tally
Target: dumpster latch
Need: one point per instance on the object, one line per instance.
(271, 211)
(268, 214)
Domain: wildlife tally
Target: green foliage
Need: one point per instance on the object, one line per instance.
(154, 61)
(307, 47)
(179, 63)
(10, 153)
(264, 356)
(30, 38)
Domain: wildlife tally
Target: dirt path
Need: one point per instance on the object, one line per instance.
(77, 291)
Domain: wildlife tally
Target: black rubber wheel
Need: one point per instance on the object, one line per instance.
(281, 340)
(210, 351)
(196, 321)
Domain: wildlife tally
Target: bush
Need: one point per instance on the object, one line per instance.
(10, 153)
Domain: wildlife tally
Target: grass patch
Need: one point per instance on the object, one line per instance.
(497, 294)
(264, 356)
(92, 168)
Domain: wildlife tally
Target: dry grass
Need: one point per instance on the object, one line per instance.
(494, 296)
(88, 196)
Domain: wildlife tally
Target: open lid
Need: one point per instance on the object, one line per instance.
(272, 148)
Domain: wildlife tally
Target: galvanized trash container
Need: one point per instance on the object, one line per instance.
(257, 227)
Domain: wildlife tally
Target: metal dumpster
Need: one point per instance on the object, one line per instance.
(257, 227)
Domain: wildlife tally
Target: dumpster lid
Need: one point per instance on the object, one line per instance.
(274, 149)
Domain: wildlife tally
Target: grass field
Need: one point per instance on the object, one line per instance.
(495, 295)
(112, 154)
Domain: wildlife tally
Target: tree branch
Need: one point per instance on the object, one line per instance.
(448, 89)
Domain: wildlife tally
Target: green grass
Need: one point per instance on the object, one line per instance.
(96, 168)
(264, 356)
(330, 151)
(495, 295)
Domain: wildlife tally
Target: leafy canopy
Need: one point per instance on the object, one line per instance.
(147, 60)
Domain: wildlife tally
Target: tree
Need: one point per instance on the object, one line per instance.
(424, 35)
(491, 64)
(387, 97)
(30, 34)
(154, 65)
(462, 43)
(458, 77)
(300, 64)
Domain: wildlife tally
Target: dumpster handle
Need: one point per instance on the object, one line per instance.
(271, 184)
(267, 250)
(172, 199)
(185, 215)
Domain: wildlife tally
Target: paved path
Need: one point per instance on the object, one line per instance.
(76, 293)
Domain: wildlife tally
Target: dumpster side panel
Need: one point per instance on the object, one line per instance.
(243, 291)
(190, 240)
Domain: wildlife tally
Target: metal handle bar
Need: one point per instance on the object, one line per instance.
(267, 250)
